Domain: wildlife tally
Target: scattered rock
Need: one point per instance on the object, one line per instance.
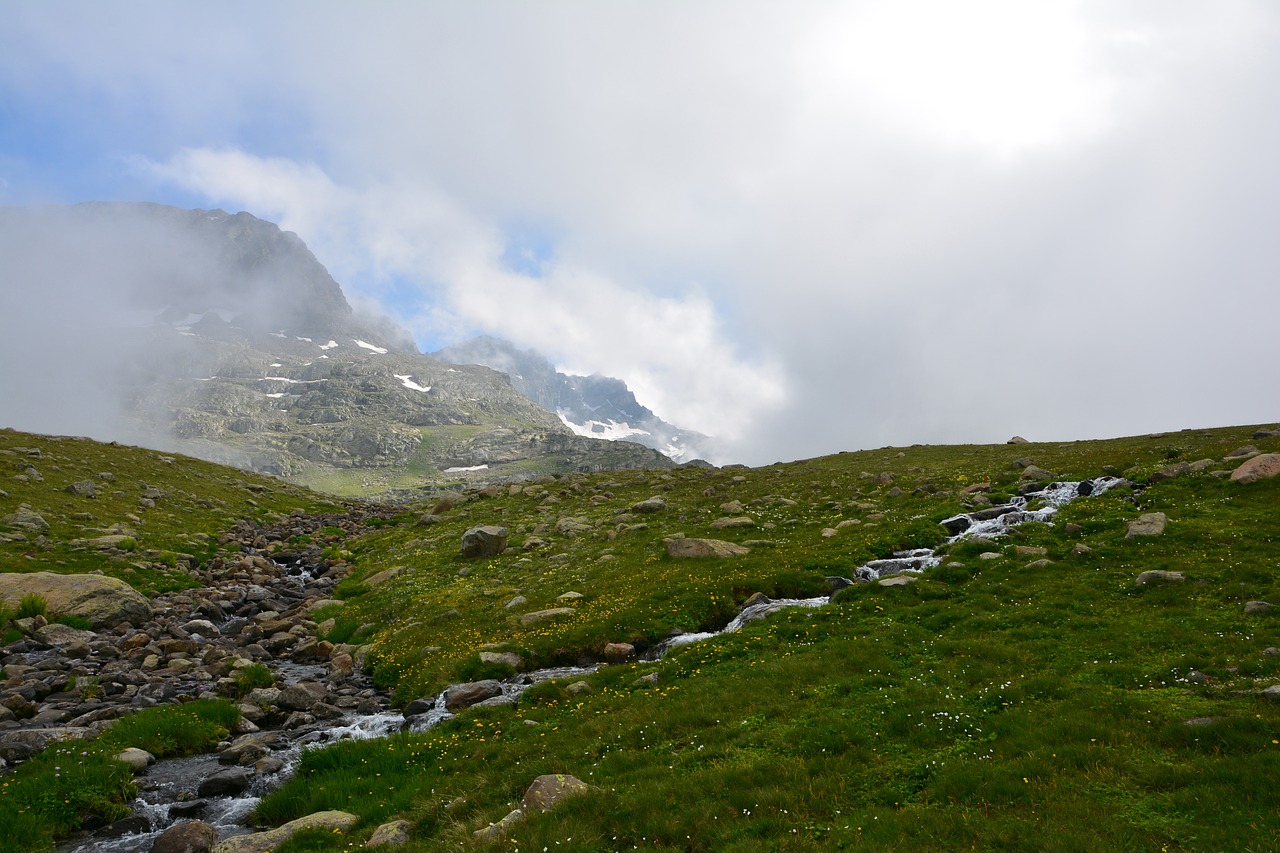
(484, 541)
(542, 615)
(226, 783)
(1159, 576)
(194, 836)
(83, 489)
(1241, 453)
(1017, 439)
(1147, 524)
(732, 508)
(1261, 467)
(510, 659)
(654, 504)
(1035, 472)
(264, 842)
(1030, 551)
(756, 598)
(548, 791)
(1169, 472)
(516, 602)
(692, 548)
(393, 834)
(459, 696)
(619, 652)
(733, 521)
(138, 759)
(898, 580)
(1255, 607)
(495, 831)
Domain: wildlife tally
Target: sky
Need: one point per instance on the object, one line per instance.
(801, 227)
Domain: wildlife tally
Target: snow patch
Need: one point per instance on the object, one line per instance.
(407, 381)
(608, 430)
(465, 470)
(366, 345)
(329, 345)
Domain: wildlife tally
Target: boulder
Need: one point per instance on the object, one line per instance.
(495, 831)
(1258, 468)
(548, 791)
(1147, 524)
(1159, 576)
(1017, 439)
(137, 759)
(1169, 472)
(225, 783)
(693, 548)
(459, 696)
(654, 504)
(618, 652)
(510, 659)
(393, 834)
(541, 615)
(898, 580)
(1035, 472)
(265, 842)
(1253, 608)
(25, 518)
(102, 601)
(733, 521)
(194, 836)
(484, 541)
(83, 489)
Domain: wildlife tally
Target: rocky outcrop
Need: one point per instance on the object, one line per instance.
(1261, 467)
(264, 842)
(694, 548)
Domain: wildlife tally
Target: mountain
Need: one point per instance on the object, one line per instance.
(593, 406)
(222, 336)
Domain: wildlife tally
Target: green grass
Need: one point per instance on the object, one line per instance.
(989, 705)
(71, 782)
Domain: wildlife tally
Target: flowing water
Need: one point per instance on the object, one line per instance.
(166, 791)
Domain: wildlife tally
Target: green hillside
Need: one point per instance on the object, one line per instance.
(998, 702)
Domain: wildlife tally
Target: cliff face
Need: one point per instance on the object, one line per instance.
(222, 336)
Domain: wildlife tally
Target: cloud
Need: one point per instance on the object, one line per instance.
(812, 226)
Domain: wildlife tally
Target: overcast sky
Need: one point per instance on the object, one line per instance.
(803, 227)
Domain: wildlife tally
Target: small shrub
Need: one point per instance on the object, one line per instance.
(73, 621)
(32, 604)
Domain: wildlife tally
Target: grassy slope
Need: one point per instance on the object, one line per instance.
(200, 500)
(989, 705)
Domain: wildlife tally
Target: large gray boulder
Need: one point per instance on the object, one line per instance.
(1147, 524)
(459, 696)
(690, 548)
(484, 541)
(102, 601)
(264, 842)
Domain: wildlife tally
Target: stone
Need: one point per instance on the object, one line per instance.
(495, 831)
(83, 489)
(25, 518)
(1039, 564)
(733, 521)
(898, 580)
(1261, 467)
(579, 688)
(102, 601)
(301, 696)
(516, 602)
(1017, 439)
(1159, 576)
(695, 548)
(1169, 472)
(265, 842)
(1255, 607)
(393, 834)
(756, 598)
(459, 696)
(542, 615)
(1081, 548)
(225, 783)
(1030, 551)
(1035, 472)
(484, 541)
(619, 652)
(510, 659)
(385, 575)
(550, 790)
(654, 504)
(194, 836)
(137, 759)
(732, 508)
(1241, 453)
(1147, 524)
(569, 596)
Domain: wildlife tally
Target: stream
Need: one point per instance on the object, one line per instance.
(166, 792)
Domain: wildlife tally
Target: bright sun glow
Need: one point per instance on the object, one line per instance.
(1003, 76)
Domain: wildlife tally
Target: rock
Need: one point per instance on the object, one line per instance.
(1272, 693)
(82, 489)
(510, 659)
(1261, 467)
(541, 615)
(990, 555)
(734, 521)
(264, 842)
(484, 541)
(1039, 564)
(756, 598)
(26, 519)
(301, 696)
(62, 636)
(459, 696)
(194, 836)
(693, 548)
(1072, 529)
(647, 680)
(1030, 551)
(1241, 453)
(619, 652)
(385, 575)
(579, 688)
(1035, 472)
(570, 526)
(137, 759)
(495, 831)
(569, 596)
(393, 834)
(1147, 524)
(732, 508)
(516, 602)
(1169, 472)
(1017, 439)
(1159, 576)
(1081, 548)
(102, 601)
(654, 504)
(226, 783)
(548, 791)
(898, 580)
(427, 519)
(1255, 607)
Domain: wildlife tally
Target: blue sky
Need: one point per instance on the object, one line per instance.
(803, 227)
